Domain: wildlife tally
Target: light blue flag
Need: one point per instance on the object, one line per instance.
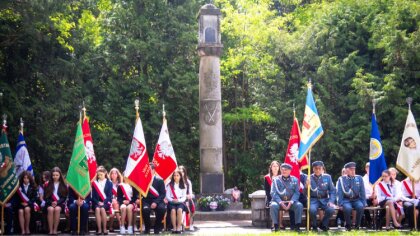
(376, 154)
(22, 160)
(311, 127)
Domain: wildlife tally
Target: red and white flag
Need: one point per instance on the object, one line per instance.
(291, 157)
(90, 153)
(164, 157)
(138, 171)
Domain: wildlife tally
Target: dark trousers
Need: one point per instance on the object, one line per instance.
(368, 219)
(84, 214)
(160, 213)
(8, 220)
(409, 214)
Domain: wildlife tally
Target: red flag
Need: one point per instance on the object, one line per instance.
(90, 153)
(293, 151)
(138, 171)
(164, 157)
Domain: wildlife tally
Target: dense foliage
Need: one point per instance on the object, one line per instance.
(56, 54)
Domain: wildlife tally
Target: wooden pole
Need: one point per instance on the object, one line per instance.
(78, 217)
(309, 192)
(414, 207)
(2, 219)
(141, 214)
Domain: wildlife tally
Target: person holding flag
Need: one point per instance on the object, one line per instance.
(8, 180)
(22, 160)
(408, 161)
(78, 179)
(164, 157)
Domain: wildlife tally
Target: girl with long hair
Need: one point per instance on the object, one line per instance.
(116, 178)
(189, 203)
(55, 197)
(388, 195)
(26, 197)
(176, 194)
(101, 198)
(127, 197)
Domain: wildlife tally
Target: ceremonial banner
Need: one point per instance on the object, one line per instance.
(164, 157)
(311, 127)
(8, 179)
(90, 153)
(293, 150)
(78, 172)
(376, 154)
(408, 160)
(22, 160)
(138, 171)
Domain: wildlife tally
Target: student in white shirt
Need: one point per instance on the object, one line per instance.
(409, 202)
(176, 194)
(388, 195)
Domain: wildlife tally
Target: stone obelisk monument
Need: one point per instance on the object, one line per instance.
(211, 136)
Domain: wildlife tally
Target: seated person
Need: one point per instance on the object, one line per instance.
(285, 195)
(176, 194)
(75, 201)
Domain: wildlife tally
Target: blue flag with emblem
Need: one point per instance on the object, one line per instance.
(311, 126)
(22, 160)
(376, 154)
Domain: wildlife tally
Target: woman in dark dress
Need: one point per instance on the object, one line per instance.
(26, 197)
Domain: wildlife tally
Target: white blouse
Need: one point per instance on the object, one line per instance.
(181, 194)
(393, 190)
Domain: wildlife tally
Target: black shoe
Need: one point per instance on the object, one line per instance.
(324, 228)
(314, 229)
(147, 231)
(357, 227)
(348, 227)
(282, 228)
(275, 228)
(297, 228)
(73, 233)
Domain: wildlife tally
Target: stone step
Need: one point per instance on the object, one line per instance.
(227, 215)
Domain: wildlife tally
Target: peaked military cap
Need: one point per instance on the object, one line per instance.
(287, 166)
(317, 163)
(350, 165)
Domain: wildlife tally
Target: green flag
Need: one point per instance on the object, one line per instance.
(8, 179)
(78, 173)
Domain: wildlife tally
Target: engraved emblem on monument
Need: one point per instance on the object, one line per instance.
(210, 111)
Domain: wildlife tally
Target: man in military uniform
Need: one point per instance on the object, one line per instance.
(322, 195)
(285, 195)
(351, 194)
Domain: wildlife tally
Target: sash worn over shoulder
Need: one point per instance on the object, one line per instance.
(173, 191)
(384, 190)
(55, 197)
(101, 192)
(127, 197)
(408, 188)
(22, 195)
(268, 179)
(114, 190)
(153, 191)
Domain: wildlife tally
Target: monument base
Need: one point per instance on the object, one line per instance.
(212, 183)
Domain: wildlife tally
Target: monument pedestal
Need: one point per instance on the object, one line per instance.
(212, 183)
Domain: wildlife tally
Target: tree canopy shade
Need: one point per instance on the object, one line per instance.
(56, 54)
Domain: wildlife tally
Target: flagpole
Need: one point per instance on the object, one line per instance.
(78, 216)
(136, 106)
(84, 110)
(309, 192)
(21, 125)
(2, 219)
(413, 194)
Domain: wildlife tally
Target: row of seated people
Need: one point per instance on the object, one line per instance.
(349, 196)
(113, 198)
